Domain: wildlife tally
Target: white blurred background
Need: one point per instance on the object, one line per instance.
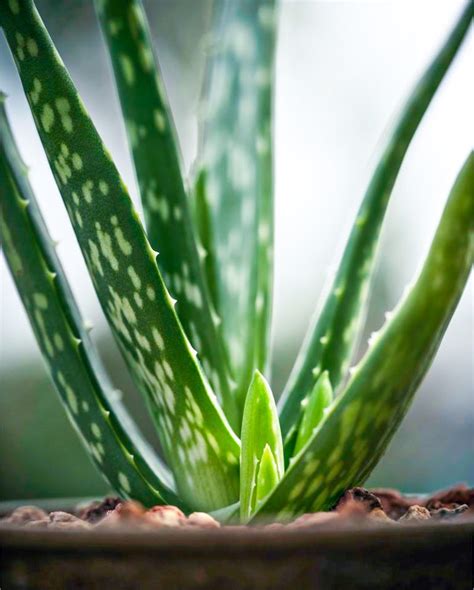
(343, 71)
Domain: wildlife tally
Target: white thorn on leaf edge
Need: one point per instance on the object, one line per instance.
(373, 338)
(88, 325)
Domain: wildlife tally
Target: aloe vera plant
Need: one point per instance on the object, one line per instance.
(192, 323)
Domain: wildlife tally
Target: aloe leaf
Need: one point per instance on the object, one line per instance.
(104, 426)
(260, 428)
(330, 341)
(360, 423)
(199, 445)
(202, 219)
(154, 144)
(267, 476)
(236, 174)
(316, 404)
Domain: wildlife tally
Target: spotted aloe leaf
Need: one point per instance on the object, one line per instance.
(260, 429)
(236, 180)
(330, 341)
(106, 430)
(154, 146)
(198, 442)
(360, 423)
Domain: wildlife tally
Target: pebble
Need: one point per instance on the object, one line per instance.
(203, 520)
(446, 513)
(166, 516)
(95, 511)
(361, 496)
(64, 520)
(25, 514)
(379, 515)
(356, 505)
(415, 513)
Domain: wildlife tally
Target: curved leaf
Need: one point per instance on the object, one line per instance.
(330, 341)
(106, 430)
(199, 444)
(154, 146)
(360, 423)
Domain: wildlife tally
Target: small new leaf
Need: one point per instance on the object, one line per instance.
(267, 477)
(260, 428)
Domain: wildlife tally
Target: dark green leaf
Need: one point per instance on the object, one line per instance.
(200, 446)
(154, 146)
(235, 172)
(106, 430)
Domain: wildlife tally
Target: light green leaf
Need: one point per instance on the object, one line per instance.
(106, 430)
(199, 445)
(330, 341)
(235, 172)
(260, 427)
(267, 476)
(154, 146)
(316, 404)
(360, 423)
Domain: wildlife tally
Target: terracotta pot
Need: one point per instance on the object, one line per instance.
(431, 556)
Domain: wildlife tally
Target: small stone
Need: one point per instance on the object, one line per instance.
(64, 520)
(165, 516)
(452, 497)
(59, 516)
(125, 513)
(446, 513)
(394, 503)
(415, 513)
(379, 515)
(95, 511)
(130, 510)
(314, 519)
(202, 520)
(361, 496)
(25, 514)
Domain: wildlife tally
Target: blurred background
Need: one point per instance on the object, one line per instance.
(343, 70)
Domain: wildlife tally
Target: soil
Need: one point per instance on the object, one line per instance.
(358, 505)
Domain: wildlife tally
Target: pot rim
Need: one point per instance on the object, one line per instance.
(234, 539)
